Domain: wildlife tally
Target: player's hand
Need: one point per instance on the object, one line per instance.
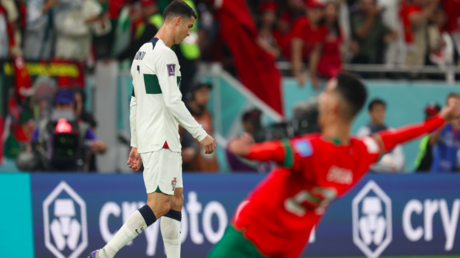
(98, 146)
(134, 160)
(209, 144)
(450, 112)
(300, 79)
(242, 145)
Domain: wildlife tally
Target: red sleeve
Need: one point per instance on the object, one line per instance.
(372, 149)
(393, 137)
(277, 151)
(268, 151)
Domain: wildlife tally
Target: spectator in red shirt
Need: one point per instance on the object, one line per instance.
(330, 62)
(267, 22)
(306, 40)
(452, 10)
(415, 17)
(282, 31)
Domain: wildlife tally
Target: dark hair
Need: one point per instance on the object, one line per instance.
(253, 116)
(376, 102)
(178, 8)
(81, 91)
(335, 28)
(352, 91)
(452, 95)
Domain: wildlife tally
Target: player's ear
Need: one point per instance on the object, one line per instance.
(179, 21)
(336, 107)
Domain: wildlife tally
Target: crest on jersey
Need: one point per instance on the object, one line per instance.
(173, 184)
(372, 227)
(171, 69)
(303, 147)
(64, 213)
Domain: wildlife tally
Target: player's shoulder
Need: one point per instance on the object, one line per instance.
(304, 145)
(368, 143)
(164, 54)
(161, 48)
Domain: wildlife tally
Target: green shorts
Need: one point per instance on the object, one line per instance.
(234, 244)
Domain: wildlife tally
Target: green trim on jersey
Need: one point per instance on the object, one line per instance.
(234, 244)
(152, 85)
(158, 190)
(288, 154)
(179, 80)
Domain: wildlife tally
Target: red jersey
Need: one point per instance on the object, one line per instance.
(283, 209)
(452, 10)
(310, 36)
(330, 63)
(405, 12)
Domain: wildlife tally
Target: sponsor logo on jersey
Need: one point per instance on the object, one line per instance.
(303, 148)
(372, 227)
(340, 175)
(171, 69)
(64, 214)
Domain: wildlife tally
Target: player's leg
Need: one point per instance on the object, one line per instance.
(234, 244)
(171, 225)
(171, 222)
(158, 204)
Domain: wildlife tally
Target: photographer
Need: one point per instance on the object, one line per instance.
(60, 142)
(252, 126)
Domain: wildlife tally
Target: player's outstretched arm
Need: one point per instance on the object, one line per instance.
(388, 139)
(266, 151)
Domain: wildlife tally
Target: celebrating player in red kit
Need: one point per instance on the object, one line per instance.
(314, 169)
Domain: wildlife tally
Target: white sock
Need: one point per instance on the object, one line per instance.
(170, 230)
(134, 226)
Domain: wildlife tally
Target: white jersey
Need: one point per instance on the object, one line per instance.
(156, 105)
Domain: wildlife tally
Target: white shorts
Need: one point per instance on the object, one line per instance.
(162, 171)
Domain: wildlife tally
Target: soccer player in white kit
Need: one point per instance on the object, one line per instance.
(156, 112)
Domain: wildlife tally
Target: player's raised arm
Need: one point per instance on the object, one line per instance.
(388, 139)
(277, 151)
(172, 96)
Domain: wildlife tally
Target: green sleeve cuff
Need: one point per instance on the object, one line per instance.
(288, 154)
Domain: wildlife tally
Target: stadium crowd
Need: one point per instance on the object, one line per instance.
(324, 33)
(318, 34)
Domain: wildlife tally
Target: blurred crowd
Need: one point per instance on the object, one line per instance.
(321, 34)
(324, 34)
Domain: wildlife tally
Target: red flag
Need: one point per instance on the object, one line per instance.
(256, 68)
(23, 81)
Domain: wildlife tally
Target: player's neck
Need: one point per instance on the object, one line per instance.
(338, 133)
(166, 35)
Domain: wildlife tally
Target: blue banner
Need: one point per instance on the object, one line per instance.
(385, 215)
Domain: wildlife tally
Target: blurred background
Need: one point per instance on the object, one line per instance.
(253, 66)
